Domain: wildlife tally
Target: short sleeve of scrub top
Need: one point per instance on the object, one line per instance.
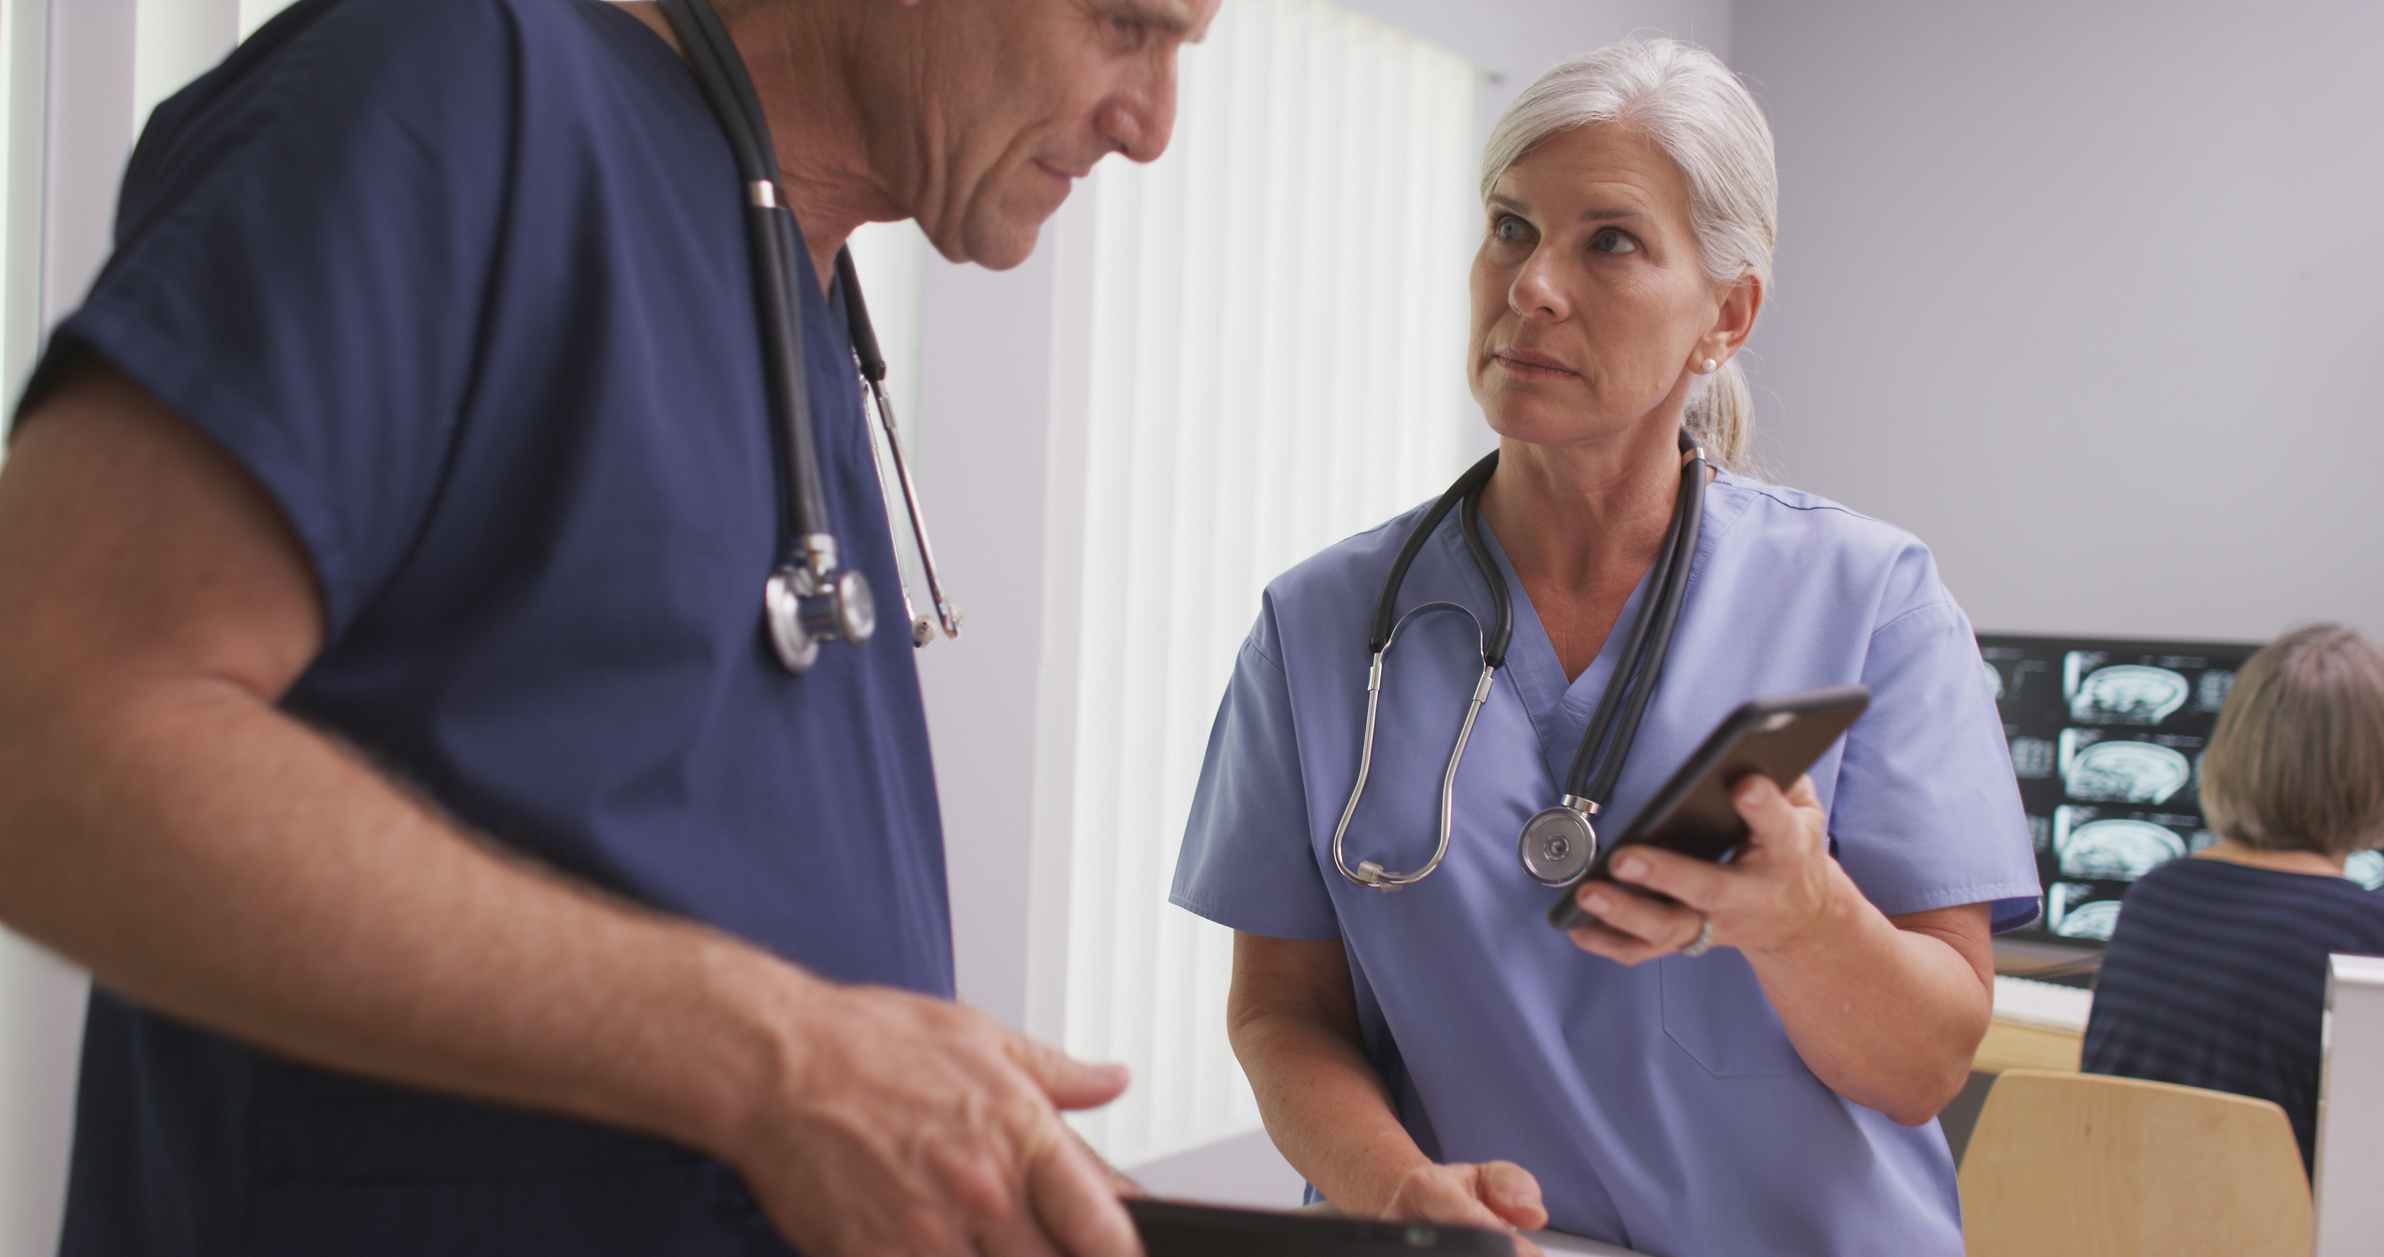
(303, 278)
(1921, 767)
(1250, 788)
(1632, 1093)
(463, 286)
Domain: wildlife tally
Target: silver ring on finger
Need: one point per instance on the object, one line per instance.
(1703, 943)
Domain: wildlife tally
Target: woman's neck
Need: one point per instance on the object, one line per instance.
(2317, 863)
(1574, 517)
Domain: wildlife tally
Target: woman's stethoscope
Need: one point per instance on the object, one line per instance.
(1559, 842)
(811, 596)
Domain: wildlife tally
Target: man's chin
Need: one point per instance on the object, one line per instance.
(1000, 247)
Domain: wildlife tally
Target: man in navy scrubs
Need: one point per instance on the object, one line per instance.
(386, 718)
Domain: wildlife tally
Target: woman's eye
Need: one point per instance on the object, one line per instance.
(1509, 229)
(1613, 240)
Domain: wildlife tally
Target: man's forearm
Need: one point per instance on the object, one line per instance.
(207, 855)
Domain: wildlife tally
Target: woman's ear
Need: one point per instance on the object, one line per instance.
(1735, 321)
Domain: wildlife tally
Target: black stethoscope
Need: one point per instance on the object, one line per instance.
(811, 597)
(1558, 842)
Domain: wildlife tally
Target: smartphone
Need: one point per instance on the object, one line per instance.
(1178, 1228)
(1779, 737)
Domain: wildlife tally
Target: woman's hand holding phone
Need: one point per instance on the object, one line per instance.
(1782, 885)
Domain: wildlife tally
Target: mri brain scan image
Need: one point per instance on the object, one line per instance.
(2071, 914)
(2117, 850)
(2366, 868)
(2127, 772)
(2129, 693)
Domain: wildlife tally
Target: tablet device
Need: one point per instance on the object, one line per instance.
(1177, 1228)
(1779, 737)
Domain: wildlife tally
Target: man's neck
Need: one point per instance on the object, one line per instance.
(823, 160)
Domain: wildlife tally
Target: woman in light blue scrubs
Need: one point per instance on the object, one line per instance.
(1753, 1064)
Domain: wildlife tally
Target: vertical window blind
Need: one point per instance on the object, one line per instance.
(1276, 333)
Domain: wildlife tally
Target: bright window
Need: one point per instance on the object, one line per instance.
(1277, 328)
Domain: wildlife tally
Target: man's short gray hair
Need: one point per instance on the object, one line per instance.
(1685, 100)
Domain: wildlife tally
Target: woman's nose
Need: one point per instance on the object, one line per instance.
(1537, 292)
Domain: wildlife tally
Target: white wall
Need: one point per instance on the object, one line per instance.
(1515, 41)
(2086, 295)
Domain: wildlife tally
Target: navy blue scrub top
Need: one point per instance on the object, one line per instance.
(463, 284)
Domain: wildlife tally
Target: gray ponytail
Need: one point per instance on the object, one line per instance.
(1722, 416)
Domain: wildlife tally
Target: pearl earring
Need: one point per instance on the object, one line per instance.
(1708, 367)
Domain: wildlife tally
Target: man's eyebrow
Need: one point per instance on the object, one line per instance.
(1171, 16)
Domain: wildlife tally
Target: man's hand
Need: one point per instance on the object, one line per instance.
(914, 1126)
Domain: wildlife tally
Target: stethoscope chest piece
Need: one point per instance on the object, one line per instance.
(1559, 842)
(803, 613)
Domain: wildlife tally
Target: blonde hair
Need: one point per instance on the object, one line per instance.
(2297, 759)
(1685, 100)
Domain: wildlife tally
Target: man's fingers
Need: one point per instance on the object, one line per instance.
(1078, 1209)
(1070, 1083)
(1020, 1235)
(1118, 1182)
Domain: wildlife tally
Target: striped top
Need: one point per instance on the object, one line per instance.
(2216, 978)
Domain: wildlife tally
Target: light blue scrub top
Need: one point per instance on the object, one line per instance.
(1661, 1107)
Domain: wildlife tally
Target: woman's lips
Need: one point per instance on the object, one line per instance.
(1533, 366)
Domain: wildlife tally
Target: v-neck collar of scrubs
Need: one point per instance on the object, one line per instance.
(1559, 709)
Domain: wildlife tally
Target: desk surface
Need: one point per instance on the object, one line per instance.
(2036, 1026)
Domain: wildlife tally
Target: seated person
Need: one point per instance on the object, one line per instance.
(2216, 975)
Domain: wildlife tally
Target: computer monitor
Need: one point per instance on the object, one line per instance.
(2106, 739)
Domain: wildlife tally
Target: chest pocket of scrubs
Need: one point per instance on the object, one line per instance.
(1715, 1011)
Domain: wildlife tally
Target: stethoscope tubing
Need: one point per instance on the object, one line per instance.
(1597, 765)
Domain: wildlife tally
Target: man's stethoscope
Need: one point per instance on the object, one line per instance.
(1559, 842)
(811, 596)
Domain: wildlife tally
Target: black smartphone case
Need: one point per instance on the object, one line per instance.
(1173, 1228)
(1779, 737)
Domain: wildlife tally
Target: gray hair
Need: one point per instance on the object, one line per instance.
(2296, 762)
(1685, 100)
